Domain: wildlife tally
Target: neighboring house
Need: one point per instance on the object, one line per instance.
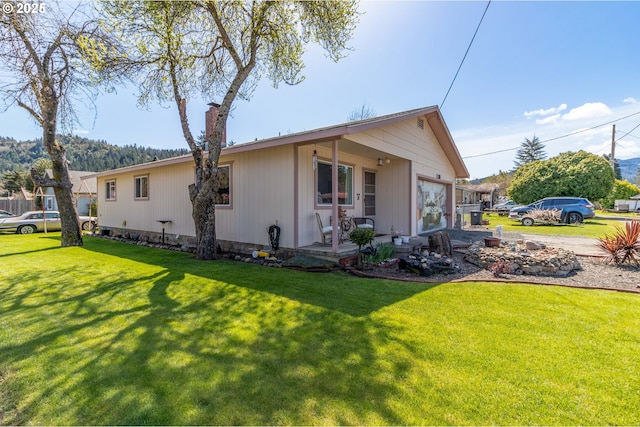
(485, 195)
(399, 170)
(84, 189)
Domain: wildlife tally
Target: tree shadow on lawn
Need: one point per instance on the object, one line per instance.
(216, 351)
(335, 291)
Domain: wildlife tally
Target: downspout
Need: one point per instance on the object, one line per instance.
(334, 199)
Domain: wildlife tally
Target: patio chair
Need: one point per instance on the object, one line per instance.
(325, 231)
(363, 222)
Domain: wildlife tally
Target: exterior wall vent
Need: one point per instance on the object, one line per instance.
(420, 122)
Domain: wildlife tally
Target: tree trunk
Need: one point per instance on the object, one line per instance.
(61, 181)
(204, 218)
(440, 243)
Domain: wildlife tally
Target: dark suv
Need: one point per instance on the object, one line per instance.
(572, 209)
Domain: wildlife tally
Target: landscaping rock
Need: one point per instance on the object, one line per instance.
(520, 258)
(425, 265)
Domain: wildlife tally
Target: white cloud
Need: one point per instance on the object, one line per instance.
(630, 100)
(488, 149)
(80, 132)
(590, 110)
(547, 120)
(546, 112)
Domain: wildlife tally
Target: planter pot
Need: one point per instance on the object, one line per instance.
(492, 242)
(397, 241)
(405, 239)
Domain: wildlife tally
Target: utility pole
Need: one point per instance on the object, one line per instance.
(613, 149)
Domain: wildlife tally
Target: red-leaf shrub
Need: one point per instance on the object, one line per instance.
(624, 246)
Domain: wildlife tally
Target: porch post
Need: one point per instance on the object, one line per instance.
(335, 239)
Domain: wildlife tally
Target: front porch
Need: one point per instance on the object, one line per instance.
(347, 248)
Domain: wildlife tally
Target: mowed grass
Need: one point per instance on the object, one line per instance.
(594, 228)
(115, 334)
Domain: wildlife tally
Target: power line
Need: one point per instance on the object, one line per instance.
(560, 137)
(638, 125)
(632, 136)
(465, 55)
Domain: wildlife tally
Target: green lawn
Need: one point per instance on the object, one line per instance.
(114, 334)
(596, 227)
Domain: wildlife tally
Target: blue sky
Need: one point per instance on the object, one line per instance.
(535, 68)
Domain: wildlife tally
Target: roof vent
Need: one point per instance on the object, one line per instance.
(420, 122)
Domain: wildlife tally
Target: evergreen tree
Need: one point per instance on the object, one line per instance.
(530, 150)
(616, 166)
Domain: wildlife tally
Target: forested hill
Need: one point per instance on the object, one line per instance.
(83, 154)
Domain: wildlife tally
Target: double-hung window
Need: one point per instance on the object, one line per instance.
(141, 187)
(325, 184)
(110, 189)
(223, 195)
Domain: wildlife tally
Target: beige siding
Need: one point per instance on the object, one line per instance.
(262, 195)
(406, 141)
(308, 230)
(277, 185)
(394, 197)
(168, 200)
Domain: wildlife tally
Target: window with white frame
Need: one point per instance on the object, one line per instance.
(141, 190)
(324, 181)
(223, 195)
(110, 190)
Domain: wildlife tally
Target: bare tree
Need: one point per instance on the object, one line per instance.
(361, 113)
(216, 49)
(42, 73)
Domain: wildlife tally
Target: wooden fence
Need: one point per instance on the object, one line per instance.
(16, 206)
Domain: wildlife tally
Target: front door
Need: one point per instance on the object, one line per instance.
(369, 200)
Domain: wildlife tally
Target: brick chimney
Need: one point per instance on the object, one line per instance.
(210, 117)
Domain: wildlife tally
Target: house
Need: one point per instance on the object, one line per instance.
(84, 189)
(477, 195)
(398, 170)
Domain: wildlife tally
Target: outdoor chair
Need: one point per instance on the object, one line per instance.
(366, 223)
(325, 231)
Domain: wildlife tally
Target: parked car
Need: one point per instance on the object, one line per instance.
(504, 208)
(6, 214)
(572, 209)
(33, 221)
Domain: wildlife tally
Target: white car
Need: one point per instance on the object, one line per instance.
(33, 221)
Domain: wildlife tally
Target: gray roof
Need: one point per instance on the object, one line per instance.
(80, 186)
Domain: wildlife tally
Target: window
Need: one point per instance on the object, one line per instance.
(110, 190)
(141, 190)
(223, 195)
(325, 185)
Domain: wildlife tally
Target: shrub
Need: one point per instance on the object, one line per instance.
(382, 251)
(622, 190)
(361, 237)
(624, 246)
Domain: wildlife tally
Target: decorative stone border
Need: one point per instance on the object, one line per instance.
(523, 257)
